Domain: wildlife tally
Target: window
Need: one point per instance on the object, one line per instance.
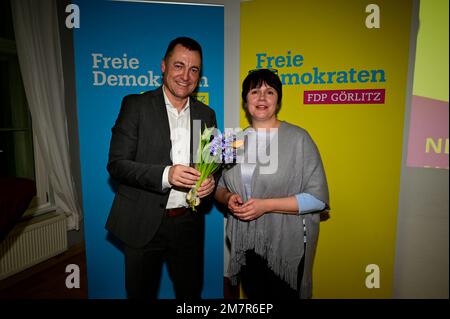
(16, 142)
(19, 152)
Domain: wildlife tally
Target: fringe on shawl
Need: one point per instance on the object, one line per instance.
(262, 247)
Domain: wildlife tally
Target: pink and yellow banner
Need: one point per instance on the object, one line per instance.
(428, 131)
(428, 136)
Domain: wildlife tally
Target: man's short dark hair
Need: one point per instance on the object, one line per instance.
(186, 42)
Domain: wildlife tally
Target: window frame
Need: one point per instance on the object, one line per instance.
(44, 200)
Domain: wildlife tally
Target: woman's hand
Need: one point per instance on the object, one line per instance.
(252, 209)
(234, 202)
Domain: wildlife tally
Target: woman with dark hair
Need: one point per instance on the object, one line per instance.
(274, 194)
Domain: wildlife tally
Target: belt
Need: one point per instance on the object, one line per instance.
(174, 212)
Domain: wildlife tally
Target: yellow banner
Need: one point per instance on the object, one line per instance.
(339, 49)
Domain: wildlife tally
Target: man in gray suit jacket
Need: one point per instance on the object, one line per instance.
(150, 157)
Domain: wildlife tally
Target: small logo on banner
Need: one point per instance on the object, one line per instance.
(202, 97)
(366, 96)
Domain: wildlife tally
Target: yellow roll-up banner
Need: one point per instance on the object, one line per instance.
(344, 68)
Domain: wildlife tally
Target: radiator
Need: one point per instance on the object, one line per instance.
(31, 242)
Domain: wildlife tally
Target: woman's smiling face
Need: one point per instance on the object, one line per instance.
(262, 102)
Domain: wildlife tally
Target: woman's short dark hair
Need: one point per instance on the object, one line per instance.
(256, 78)
(186, 42)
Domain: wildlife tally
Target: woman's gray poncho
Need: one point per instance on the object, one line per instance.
(279, 237)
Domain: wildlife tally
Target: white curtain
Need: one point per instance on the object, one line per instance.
(39, 52)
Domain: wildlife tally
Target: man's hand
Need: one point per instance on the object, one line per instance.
(183, 176)
(206, 187)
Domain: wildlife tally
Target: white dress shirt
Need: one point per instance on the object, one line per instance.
(180, 135)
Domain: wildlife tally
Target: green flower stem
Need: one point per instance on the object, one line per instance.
(207, 165)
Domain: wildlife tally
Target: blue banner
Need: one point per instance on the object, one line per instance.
(118, 51)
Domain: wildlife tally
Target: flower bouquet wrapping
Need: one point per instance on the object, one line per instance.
(213, 152)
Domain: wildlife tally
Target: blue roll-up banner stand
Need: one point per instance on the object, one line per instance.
(118, 51)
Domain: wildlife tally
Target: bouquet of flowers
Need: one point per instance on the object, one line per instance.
(213, 152)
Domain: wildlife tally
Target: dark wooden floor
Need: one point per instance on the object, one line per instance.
(47, 280)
